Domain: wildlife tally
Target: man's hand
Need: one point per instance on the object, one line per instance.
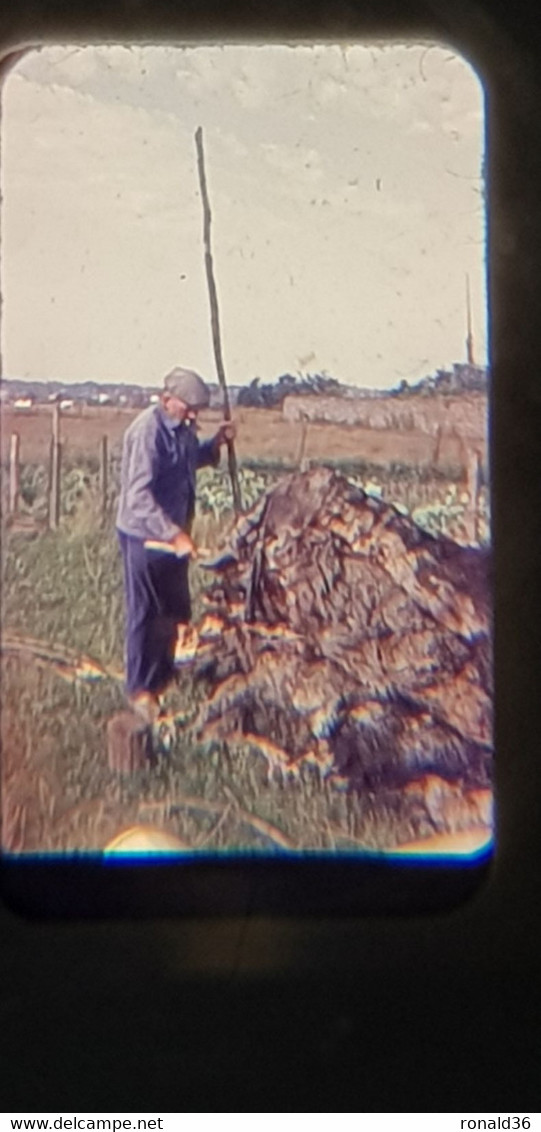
(227, 430)
(183, 545)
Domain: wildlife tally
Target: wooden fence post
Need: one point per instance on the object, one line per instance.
(14, 472)
(473, 485)
(437, 446)
(55, 470)
(129, 743)
(104, 468)
(300, 460)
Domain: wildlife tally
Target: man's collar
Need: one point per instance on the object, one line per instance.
(167, 420)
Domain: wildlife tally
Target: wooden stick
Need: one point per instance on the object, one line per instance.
(8, 61)
(55, 468)
(14, 469)
(56, 422)
(302, 443)
(65, 660)
(473, 483)
(1, 235)
(214, 317)
(104, 467)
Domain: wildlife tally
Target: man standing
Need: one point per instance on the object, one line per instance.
(160, 458)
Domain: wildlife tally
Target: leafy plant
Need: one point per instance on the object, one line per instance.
(33, 485)
(451, 516)
(214, 493)
(77, 485)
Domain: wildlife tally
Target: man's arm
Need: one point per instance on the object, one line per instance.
(140, 507)
(209, 450)
(208, 453)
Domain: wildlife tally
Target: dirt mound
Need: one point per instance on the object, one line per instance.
(343, 636)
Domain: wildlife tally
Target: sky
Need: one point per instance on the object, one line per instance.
(347, 207)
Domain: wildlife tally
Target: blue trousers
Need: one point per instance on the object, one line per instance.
(157, 598)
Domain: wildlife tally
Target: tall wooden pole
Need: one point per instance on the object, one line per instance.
(214, 316)
(1, 233)
(5, 65)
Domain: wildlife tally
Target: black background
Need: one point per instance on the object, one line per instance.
(255, 1013)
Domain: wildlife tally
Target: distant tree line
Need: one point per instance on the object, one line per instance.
(463, 378)
(270, 395)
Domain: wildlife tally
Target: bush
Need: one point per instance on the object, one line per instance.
(271, 394)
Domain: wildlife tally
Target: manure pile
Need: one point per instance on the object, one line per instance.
(342, 636)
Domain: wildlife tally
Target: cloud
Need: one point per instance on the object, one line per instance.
(419, 126)
(103, 217)
(126, 62)
(232, 145)
(200, 72)
(75, 67)
(249, 95)
(329, 90)
(303, 163)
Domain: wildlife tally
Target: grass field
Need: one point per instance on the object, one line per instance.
(263, 435)
(58, 794)
(64, 587)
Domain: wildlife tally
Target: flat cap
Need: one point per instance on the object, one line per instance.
(188, 387)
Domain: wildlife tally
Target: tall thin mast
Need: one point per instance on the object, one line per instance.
(469, 339)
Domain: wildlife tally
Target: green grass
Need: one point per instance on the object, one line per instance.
(65, 587)
(55, 766)
(55, 771)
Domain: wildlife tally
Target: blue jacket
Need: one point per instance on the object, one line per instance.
(157, 484)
